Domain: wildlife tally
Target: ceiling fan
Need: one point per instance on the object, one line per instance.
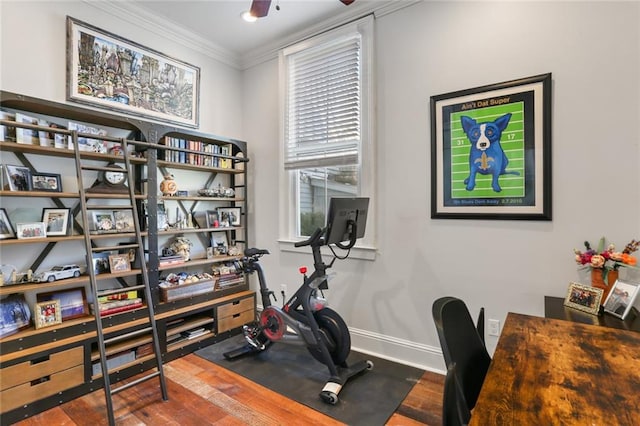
(260, 8)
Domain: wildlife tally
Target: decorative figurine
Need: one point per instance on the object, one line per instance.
(182, 246)
(168, 186)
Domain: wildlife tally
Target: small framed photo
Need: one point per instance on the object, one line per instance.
(56, 221)
(73, 302)
(18, 178)
(583, 298)
(124, 220)
(209, 253)
(621, 298)
(212, 219)
(31, 230)
(50, 182)
(219, 243)
(47, 313)
(101, 262)
(103, 221)
(229, 216)
(6, 229)
(119, 263)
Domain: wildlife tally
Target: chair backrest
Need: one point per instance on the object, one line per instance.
(454, 408)
(461, 344)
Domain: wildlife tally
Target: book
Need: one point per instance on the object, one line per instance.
(120, 309)
(130, 294)
(118, 303)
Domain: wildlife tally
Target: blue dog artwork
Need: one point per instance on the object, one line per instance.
(486, 155)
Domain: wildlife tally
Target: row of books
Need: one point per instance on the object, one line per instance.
(119, 302)
(170, 260)
(195, 158)
(187, 335)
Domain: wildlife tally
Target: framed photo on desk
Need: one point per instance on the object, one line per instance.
(583, 298)
(621, 298)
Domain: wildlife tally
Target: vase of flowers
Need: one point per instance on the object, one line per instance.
(606, 262)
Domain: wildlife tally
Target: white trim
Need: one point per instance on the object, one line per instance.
(404, 351)
(357, 252)
(414, 354)
(141, 17)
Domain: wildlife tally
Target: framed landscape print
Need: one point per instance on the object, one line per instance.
(73, 302)
(491, 151)
(108, 71)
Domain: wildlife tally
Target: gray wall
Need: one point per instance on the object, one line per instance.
(593, 51)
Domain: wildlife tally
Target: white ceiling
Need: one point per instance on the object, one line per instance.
(216, 27)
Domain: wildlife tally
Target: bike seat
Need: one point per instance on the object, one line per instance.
(254, 251)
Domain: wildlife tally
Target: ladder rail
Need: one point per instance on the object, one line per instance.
(90, 249)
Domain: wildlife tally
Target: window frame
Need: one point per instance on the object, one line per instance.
(365, 248)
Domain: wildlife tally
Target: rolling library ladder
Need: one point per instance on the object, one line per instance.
(137, 327)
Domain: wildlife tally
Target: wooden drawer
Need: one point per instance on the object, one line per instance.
(236, 307)
(26, 393)
(237, 320)
(28, 371)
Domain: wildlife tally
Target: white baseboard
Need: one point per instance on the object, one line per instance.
(397, 350)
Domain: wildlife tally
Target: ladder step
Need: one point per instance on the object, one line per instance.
(104, 169)
(113, 391)
(120, 290)
(112, 248)
(127, 335)
(109, 207)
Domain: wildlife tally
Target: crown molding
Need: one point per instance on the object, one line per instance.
(156, 24)
(139, 17)
(355, 11)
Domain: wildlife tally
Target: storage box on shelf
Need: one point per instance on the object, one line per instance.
(192, 319)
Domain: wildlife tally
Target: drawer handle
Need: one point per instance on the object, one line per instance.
(236, 316)
(44, 358)
(236, 302)
(40, 380)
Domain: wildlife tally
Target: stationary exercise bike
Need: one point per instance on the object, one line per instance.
(305, 318)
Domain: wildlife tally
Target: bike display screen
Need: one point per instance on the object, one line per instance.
(343, 214)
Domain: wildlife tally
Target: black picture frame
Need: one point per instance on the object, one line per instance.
(56, 221)
(6, 228)
(229, 216)
(508, 178)
(48, 182)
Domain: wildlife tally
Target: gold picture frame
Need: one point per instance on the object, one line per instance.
(583, 298)
(48, 313)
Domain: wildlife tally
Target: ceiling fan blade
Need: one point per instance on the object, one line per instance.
(260, 8)
(347, 2)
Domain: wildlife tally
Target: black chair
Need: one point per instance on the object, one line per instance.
(463, 345)
(454, 408)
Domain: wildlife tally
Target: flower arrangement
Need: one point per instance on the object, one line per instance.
(609, 258)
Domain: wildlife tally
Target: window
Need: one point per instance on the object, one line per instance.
(328, 143)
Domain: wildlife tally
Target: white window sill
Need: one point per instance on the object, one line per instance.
(357, 252)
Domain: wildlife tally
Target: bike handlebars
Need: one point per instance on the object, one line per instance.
(312, 240)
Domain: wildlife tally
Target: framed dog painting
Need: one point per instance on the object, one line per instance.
(491, 151)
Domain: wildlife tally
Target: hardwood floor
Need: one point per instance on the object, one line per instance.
(202, 393)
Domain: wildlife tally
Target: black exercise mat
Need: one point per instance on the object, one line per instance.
(367, 399)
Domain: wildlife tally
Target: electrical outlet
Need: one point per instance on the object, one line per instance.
(494, 327)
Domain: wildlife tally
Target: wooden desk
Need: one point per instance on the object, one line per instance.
(555, 372)
(554, 308)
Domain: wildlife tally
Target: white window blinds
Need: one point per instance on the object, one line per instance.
(322, 126)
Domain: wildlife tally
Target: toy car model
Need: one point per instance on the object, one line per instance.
(58, 273)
